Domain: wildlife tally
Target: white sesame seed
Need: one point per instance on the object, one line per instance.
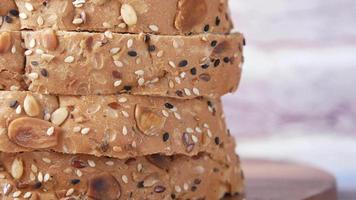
(118, 63)
(177, 188)
(175, 44)
(117, 83)
(85, 131)
(195, 139)
(209, 133)
(171, 63)
(77, 21)
(109, 163)
(122, 99)
(69, 192)
(125, 114)
(153, 28)
(23, 16)
(50, 131)
(124, 179)
(185, 186)
(122, 25)
(140, 72)
(197, 129)
(129, 43)
(16, 194)
(34, 168)
(18, 109)
(160, 53)
(141, 81)
(40, 177)
(13, 49)
(78, 173)
(33, 76)
(69, 59)
(108, 34)
(40, 21)
(77, 129)
(91, 163)
(32, 43)
(165, 113)
(187, 92)
(28, 52)
(177, 79)
(46, 177)
(139, 167)
(177, 115)
(27, 195)
(115, 50)
(183, 74)
(189, 130)
(124, 130)
(46, 160)
(196, 91)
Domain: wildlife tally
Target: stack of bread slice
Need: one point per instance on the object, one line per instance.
(117, 99)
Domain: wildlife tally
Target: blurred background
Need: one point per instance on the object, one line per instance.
(297, 98)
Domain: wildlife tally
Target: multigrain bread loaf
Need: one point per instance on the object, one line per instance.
(9, 16)
(168, 17)
(120, 126)
(11, 61)
(82, 63)
(53, 176)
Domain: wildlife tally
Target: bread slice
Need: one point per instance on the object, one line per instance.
(120, 126)
(11, 61)
(54, 176)
(82, 63)
(168, 17)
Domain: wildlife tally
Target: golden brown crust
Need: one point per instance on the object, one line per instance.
(121, 126)
(174, 66)
(169, 17)
(48, 175)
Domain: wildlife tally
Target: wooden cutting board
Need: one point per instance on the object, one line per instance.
(268, 180)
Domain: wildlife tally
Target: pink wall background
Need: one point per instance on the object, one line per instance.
(297, 99)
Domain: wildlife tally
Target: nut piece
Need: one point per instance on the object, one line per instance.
(5, 42)
(149, 120)
(128, 14)
(32, 133)
(104, 186)
(49, 39)
(31, 106)
(17, 168)
(59, 116)
(190, 13)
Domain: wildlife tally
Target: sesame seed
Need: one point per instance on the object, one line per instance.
(217, 21)
(151, 48)
(216, 62)
(132, 53)
(27, 195)
(91, 163)
(75, 181)
(23, 16)
(153, 28)
(171, 63)
(50, 131)
(196, 91)
(117, 83)
(69, 59)
(124, 179)
(165, 137)
(183, 63)
(13, 104)
(44, 72)
(14, 12)
(206, 28)
(168, 105)
(226, 59)
(205, 66)
(214, 43)
(129, 43)
(195, 139)
(217, 140)
(77, 21)
(8, 19)
(115, 50)
(69, 192)
(85, 131)
(159, 189)
(165, 113)
(124, 130)
(118, 63)
(193, 71)
(16, 194)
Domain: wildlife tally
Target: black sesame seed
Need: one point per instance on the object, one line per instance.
(146, 38)
(197, 181)
(193, 71)
(159, 189)
(168, 105)
(217, 21)
(8, 19)
(183, 63)
(226, 60)
(173, 196)
(244, 42)
(127, 87)
(132, 53)
(14, 12)
(210, 104)
(194, 188)
(214, 43)
(44, 72)
(206, 28)
(217, 140)
(74, 181)
(216, 62)
(140, 184)
(151, 48)
(37, 185)
(14, 104)
(165, 137)
(205, 66)
(179, 93)
(34, 63)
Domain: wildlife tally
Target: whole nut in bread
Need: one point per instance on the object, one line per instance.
(49, 39)
(5, 42)
(128, 14)
(17, 168)
(31, 106)
(104, 186)
(149, 120)
(33, 133)
(190, 14)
